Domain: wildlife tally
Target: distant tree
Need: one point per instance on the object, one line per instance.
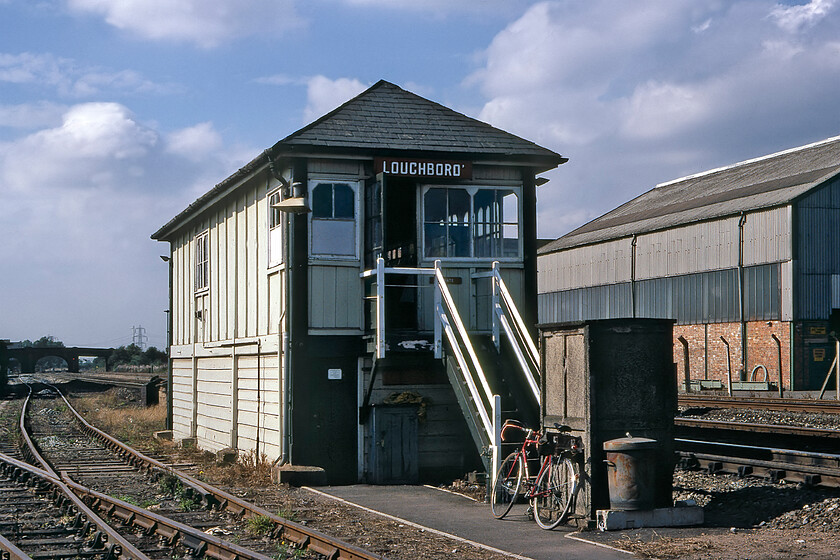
(47, 341)
(132, 355)
(49, 362)
(153, 356)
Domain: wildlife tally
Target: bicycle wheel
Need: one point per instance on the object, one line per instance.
(554, 493)
(506, 488)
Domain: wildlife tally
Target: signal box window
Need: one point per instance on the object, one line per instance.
(202, 261)
(275, 230)
(470, 223)
(496, 223)
(334, 219)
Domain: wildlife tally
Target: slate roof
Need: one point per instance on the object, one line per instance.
(388, 120)
(773, 180)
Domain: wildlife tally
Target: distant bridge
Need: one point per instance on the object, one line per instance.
(29, 356)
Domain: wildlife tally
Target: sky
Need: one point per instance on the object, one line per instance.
(116, 114)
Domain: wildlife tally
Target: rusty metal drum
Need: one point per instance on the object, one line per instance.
(631, 472)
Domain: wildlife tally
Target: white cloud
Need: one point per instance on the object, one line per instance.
(89, 148)
(87, 193)
(72, 79)
(29, 68)
(638, 97)
(440, 8)
(280, 80)
(657, 110)
(31, 115)
(195, 142)
(796, 18)
(323, 95)
(206, 23)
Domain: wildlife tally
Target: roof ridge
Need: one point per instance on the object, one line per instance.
(748, 162)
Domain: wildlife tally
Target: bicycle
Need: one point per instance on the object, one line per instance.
(551, 493)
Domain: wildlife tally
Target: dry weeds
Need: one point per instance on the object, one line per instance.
(664, 547)
(249, 470)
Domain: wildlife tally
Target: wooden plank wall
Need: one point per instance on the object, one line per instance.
(182, 398)
(244, 303)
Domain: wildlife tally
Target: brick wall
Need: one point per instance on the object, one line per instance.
(708, 353)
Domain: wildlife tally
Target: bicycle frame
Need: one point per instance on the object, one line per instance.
(552, 492)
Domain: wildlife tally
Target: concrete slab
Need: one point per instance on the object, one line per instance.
(616, 520)
(466, 519)
(299, 475)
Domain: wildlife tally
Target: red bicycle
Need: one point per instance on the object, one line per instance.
(552, 491)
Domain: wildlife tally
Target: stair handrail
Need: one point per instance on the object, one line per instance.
(456, 333)
(517, 333)
(445, 303)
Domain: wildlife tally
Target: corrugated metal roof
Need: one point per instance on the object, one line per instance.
(768, 181)
(388, 120)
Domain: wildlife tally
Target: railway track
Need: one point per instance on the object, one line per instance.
(759, 403)
(95, 467)
(789, 453)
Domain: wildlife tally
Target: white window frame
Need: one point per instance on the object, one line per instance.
(355, 185)
(275, 223)
(201, 262)
(471, 190)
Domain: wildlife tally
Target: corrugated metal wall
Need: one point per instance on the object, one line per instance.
(604, 263)
(710, 297)
(817, 255)
(690, 249)
(689, 273)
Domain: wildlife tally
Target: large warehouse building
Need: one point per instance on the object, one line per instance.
(743, 258)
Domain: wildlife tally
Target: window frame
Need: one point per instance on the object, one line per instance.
(201, 262)
(355, 186)
(471, 190)
(271, 228)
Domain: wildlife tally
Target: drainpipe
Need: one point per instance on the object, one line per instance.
(686, 364)
(741, 221)
(779, 350)
(285, 322)
(633, 274)
(169, 312)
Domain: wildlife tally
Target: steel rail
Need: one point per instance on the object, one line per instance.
(778, 464)
(197, 541)
(300, 535)
(11, 551)
(760, 403)
(30, 449)
(753, 428)
(119, 545)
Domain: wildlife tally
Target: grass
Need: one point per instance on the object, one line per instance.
(260, 525)
(172, 486)
(286, 551)
(288, 513)
(249, 470)
(135, 502)
(129, 423)
(135, 425)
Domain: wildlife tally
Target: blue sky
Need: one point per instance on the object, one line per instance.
(115, 114)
